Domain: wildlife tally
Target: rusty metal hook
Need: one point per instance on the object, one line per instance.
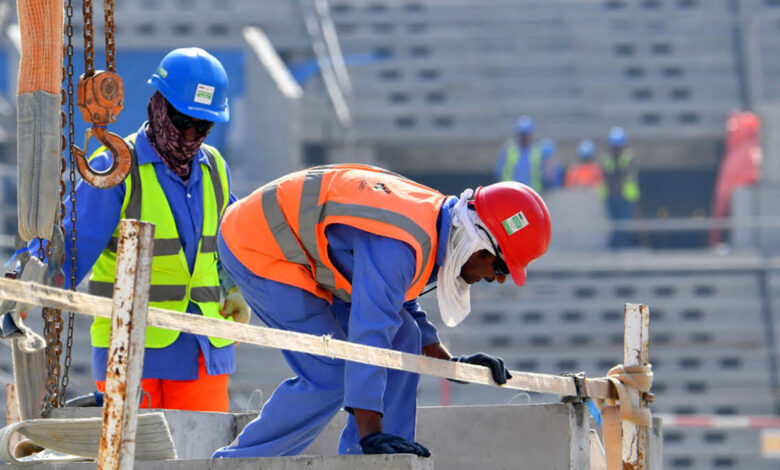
(100, 99)
(120, 167)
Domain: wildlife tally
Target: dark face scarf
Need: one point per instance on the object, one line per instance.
(169, 142)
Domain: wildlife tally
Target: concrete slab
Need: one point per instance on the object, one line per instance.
(549, 436)
(541, 436)
(342, 462)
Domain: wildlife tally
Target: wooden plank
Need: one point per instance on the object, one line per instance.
(12, 412)
(320, 345)
(635, 353)
(126, 348)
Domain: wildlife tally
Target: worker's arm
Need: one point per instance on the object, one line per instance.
(429, 333)
(381, 269)
(97, 216)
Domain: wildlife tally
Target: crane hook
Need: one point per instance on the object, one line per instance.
(100, 98)
(120, 166)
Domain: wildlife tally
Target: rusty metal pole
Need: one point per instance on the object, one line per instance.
(126, 349)
(636, 352)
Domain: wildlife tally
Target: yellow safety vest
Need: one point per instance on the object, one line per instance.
(172, 284)
(513, 158)
(630, 189)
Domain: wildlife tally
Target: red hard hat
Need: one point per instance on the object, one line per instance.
(518, 218)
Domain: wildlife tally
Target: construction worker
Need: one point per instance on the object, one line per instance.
(519, 159)
(183, 186)
(344, 251)
(621, 188)
(587, 171)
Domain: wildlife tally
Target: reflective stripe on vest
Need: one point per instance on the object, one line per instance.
(297, 209)
(172, 285)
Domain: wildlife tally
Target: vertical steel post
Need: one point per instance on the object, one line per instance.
(636, 353)
(126, 349)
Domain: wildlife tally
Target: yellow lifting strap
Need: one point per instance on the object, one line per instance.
(40, 25)
(39, 116)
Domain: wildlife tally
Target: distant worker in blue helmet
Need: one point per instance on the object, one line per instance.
(552, 169)
(621, 187)
(182, 185)
(519, 160)
(586, 172)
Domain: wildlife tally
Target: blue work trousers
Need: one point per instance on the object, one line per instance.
(621, 209)
(301, 407)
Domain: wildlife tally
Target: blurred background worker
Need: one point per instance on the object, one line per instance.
(364, 245)
(519, 159)
(552, 168)
(586, 172)
(621, 188)
(183, 186)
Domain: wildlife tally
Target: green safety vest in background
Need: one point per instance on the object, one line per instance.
(513, 158)
(173, 287)
(630, 189)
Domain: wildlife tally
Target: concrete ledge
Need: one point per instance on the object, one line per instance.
(549, 436)
(342, 462)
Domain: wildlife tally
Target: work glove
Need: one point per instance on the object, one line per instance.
(494, 363)
(235, 306)
(381, 443)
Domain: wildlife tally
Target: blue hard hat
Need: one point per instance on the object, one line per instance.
(586, 149)
(524, 125)
(194, 82)
(617, 137)
(548, 147)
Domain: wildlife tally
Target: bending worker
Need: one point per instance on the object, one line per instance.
(345, 250)
(182, 186)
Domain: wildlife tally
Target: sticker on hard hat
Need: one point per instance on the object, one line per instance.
(204, 94)
(514, 223)
(162, 72)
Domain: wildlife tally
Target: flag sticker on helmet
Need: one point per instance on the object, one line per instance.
(514, 223)
(204, 94)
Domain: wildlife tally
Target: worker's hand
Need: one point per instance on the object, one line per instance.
(436, 350)
(381, 443)
(235, 306)
(494, 363)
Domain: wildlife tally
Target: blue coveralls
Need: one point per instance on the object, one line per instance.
(98, 212)
(380, 269)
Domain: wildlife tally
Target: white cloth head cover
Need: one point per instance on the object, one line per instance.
(465, 239)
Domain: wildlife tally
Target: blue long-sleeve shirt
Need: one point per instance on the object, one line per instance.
(98, 212)
(381, 269)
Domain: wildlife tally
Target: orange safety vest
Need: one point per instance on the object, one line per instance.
(585, 174)
(278, 232)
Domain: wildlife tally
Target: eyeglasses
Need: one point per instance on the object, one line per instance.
(183, 122)
(500, 267)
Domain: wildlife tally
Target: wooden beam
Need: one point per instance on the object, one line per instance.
(320, 345)
(126, 348)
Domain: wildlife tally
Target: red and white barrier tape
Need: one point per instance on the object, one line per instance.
(719, 421)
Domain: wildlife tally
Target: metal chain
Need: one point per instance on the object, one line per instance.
(108, 7)
(89, 39)
(48, 333)
(72, 177)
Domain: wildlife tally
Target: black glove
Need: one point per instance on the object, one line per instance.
(494, 363)
(381, 443)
